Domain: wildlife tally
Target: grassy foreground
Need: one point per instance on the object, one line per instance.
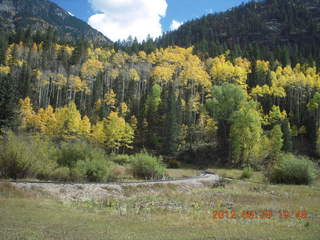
(168, 213)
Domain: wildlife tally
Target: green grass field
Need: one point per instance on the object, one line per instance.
(168, 213)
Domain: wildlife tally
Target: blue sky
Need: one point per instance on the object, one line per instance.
(121, 18)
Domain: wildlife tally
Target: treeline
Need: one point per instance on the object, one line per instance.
(170, 101)
(287, 31)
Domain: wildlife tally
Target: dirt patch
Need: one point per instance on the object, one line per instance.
(95, 192)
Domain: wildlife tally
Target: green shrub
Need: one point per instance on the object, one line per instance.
(85, 161)
(146, 166)
(246, 173)
(121, 159)
(173, 163)
(94, 170)
(293, 170)
(26, 157)
(72, 152)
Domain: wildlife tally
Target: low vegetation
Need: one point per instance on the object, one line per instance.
(145, 166)
(293, 170)
(32, 157)
(168, 213)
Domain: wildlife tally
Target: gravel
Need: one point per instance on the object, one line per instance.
(98, 191)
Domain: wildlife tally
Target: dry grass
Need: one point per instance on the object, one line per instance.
(165, 213)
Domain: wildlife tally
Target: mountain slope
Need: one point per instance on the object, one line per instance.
(40, 15)
(266, 24)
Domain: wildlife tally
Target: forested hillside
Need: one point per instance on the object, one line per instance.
(38, 16)
(288, 31)
(168, 101)
(227, 109)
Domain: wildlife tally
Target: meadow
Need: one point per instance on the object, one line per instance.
(169, 212)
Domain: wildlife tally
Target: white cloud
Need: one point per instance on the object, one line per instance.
(118, 19)
(175, 25)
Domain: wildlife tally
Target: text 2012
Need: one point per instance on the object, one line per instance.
(261, 214)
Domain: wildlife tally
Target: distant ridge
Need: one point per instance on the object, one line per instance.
(39, 15)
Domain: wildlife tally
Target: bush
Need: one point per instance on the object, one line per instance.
(121, 159)
(146, 166)
(72, 152)
(173, 163)
(94, 170)
(35, 157)
(85, 161)
(246, 173)
(293, 170)
(26, 157)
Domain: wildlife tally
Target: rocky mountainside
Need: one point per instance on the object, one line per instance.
(39, 15)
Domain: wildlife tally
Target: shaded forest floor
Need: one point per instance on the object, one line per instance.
(167, 213)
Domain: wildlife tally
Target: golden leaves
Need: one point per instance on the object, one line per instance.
(223, 70)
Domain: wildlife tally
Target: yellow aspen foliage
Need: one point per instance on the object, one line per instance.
(278, 91)
(133, 59)
(262, 66)
(152, 58)
(119, 59)
(85, 126)
(179, 63)
(222, 70)
(118, 133)
(27, 115)
(59, 79)
(124, 109)
(275, 115)
(91, 68)
(114, 73)
(57, 47)
(110, 99)
(37, 74)
(193, 71)
(47, 122)
(19, 63)
(9, 57)
(265, 90)
(5, 70)
(76, 84)
(68, 121)
(98, 135)
(142, 55)
(259, 91)
(163, 72)
(134, 75)
(68, 49)
(298, 76)
(195, 101)
(134, 122)
(243, 63)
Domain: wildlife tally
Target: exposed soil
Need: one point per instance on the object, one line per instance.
(99, 191)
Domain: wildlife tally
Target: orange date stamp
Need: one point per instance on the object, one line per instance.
(260, 214)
